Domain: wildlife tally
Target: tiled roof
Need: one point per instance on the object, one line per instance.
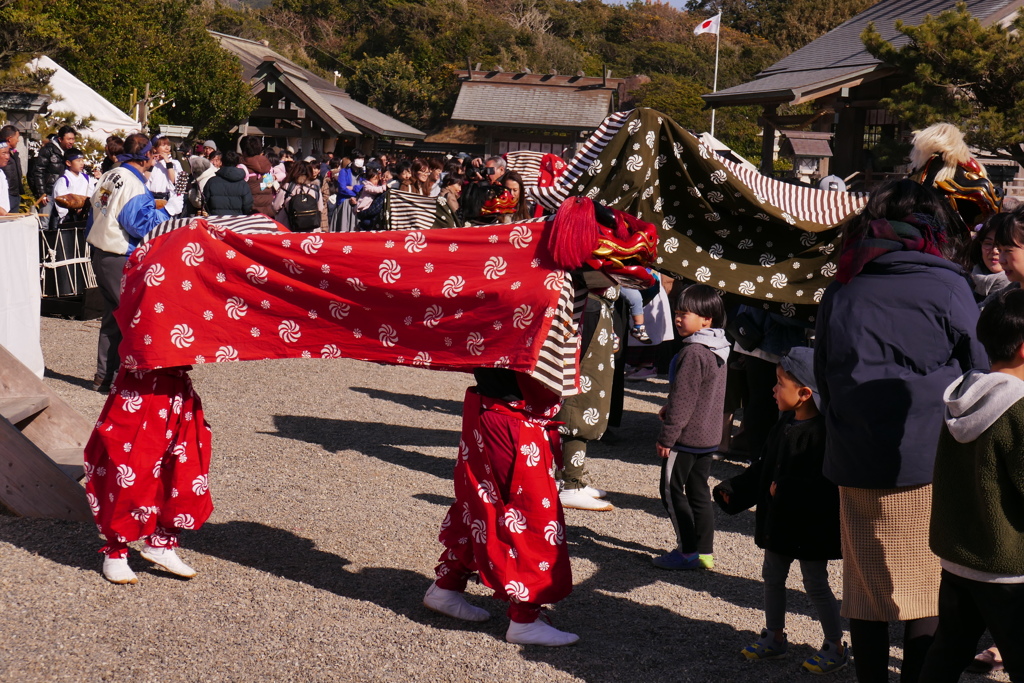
(324, 109)
(369, 118)
(838, 58)
(358, 117)
(806, 143)
(525, 100)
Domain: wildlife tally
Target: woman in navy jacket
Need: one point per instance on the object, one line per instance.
(893, 331)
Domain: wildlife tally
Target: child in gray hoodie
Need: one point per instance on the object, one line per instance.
(977, 523)
(692, 427)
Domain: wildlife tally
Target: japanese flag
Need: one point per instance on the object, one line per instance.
(709, 26)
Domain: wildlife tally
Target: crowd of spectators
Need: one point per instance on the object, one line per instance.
(346, 192)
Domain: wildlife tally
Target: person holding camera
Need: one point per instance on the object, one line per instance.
(485, 198)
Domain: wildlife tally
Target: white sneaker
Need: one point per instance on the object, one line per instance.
(538, 633)
(594, 492)
(579, 499)
(168, 560)
(453, 604)
(116, 570)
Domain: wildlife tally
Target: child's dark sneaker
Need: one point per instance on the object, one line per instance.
(677, 560)
(766, 647)
(827, 659)
(639, 333)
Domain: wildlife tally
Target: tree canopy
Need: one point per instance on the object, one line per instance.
(398, 55)
(117, 48)
(962, 72)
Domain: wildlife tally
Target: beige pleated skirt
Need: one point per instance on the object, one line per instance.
(889, 572)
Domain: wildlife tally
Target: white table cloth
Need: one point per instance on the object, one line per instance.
(19, 290)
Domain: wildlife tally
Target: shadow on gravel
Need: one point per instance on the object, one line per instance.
(72, 544)
(623, 640)
(70, 379)
(382, 441)
(284, 554)
(434, 499)
(627, 565)
(430, 405)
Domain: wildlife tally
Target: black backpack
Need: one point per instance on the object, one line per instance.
(303, 209)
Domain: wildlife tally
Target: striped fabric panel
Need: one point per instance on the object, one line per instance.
(256, 223)
(526, 164)
(552, 197)
(594, 145)
(556, 363)
(409, 211)
(548, 197)
(802, 202)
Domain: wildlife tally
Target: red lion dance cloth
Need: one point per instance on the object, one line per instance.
(456, 299)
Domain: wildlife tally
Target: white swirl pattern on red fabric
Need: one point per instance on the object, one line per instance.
(515, 521)
(495, 267)
(452, 286)
(487, 493)
(339, 310)
(182, 336)
(532, 453)
(192, 254)
(479, 530)
(132, 401)
(390, 271)
(311, 244)
(125, 476)
(200, 485)
(388, 335)
(433, 316)
(517, 591)
(415, 242)
(554, 533)
(520, 237)
(522, 318)
(236, 307)
(154, 276)
(256, 274)
(184, 521)
(475, 343)
(289, 331)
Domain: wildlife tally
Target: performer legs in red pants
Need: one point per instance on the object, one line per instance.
(147, 465)
(506, 522)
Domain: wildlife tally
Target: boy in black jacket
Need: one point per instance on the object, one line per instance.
(797, 513)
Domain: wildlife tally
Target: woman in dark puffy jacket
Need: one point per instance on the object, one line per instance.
(893, 331)
(227, 193)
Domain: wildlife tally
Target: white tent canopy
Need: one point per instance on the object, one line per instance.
(72, 95)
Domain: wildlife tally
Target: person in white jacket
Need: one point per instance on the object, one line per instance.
(123, 211)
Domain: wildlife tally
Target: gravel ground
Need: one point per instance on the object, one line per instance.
(330, 480)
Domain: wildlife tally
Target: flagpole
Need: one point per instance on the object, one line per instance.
(714, 87)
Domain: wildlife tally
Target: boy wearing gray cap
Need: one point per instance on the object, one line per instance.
(797, 515)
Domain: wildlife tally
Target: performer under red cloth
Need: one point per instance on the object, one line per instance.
(506, 522)
(146, 467)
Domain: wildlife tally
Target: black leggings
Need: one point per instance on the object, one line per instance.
(870, 641)
(966, 609)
